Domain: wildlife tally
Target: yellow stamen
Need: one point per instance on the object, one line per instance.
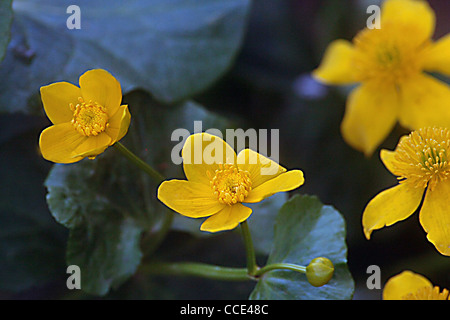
(428, 293)
(89, 118)
(422, 157)
(388, 55)
(230, 184)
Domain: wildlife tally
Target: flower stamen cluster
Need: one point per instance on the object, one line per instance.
(422, 157)
(89, 118)
(428, 293)
(230, 184)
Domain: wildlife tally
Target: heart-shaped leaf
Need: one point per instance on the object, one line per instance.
(306, 229)
(172, 49)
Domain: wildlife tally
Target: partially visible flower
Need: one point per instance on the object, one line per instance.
(389, 66)
(421, 162)
(218, 182)
(412, 286)
(86, 119)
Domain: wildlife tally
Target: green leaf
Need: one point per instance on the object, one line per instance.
(262, 220)
(103, 241)
(306, 229)
(108, 203)
(173, 49)
(5, 24)
(107, 254)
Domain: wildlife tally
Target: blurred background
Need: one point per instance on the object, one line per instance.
(268, 86)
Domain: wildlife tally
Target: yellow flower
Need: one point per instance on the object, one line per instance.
(421, 162)
(412, 286)
(218, 182)
(388, 65)
(86, 119)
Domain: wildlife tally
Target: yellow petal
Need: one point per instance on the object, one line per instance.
(390, 206)
(118, 124)
(56, 98)
(191, 199)
(435, 217)
(404, 283)
(58, 142)
(388, 157)
(203, 153)
(92, 146)
(416, 13)
(261, 168)
(425, 103)
(438, 57)
(100, 86)
(226, 219)
(337, 64)
(370, 115)
(287, 181)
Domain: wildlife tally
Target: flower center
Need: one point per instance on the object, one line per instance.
(230, 184)
(422, 157)
(89, 118)
(388, 55)
(428, 293)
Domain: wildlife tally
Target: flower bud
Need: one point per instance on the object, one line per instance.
(319, 271)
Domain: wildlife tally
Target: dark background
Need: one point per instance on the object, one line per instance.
(268, 86)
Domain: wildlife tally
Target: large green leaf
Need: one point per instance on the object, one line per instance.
(108, 203)
(104, 239)
(306, 229)
(5, 24)
(172, 48)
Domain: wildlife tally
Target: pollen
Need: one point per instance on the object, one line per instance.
(422, 157)
(230, 184)
(428, 293)
(388, 55)
(89, 118)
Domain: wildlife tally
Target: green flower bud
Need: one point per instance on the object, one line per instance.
(319, 271)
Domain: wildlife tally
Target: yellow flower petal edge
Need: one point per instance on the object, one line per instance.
(389, 66)
(409, 285)
(337, 64)
(369, 117)
(86, 119)
(438, 56)
(191, 199)
(403, 284)
(218, 182)
(435, 218)
(407, 12)
(422, 165)
(226, 219)
(390, 206)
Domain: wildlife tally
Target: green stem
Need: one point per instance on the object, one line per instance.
(150, 241)
(155, 175)
(197, 270)
(278, 266)
(214, 272)
(250, 251)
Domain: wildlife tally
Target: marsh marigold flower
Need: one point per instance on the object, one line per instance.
(412, 286)
(86, 119)
(421, 162)
(388, 65)
(219, 181)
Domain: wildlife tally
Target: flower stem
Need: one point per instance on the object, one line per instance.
(250, 251)
(278, 266)
(155, 175)
(198, 270)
